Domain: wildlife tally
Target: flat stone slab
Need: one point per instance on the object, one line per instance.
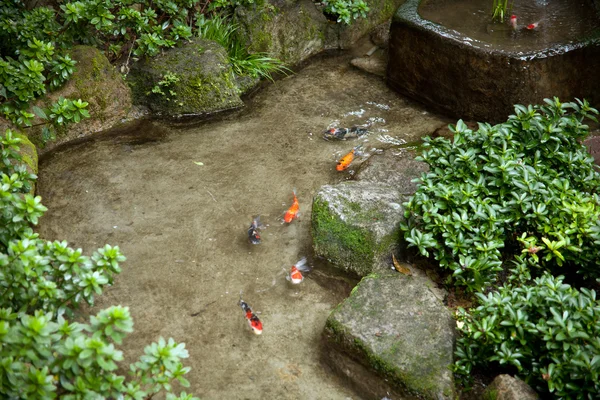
(396, 326)
(396, 167)
(356, 223)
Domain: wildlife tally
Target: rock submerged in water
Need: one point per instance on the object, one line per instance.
(396, 327)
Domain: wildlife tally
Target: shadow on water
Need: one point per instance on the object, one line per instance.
(178, 199)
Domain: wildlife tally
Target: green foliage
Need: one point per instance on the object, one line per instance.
(527, 185)
(346, 10)
(547, 331)
(224, 32)
(43, 354)
(228, 5)
(167, 80)
(500, 9)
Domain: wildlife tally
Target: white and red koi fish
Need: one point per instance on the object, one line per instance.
(533, 26)
(295, 276)
(513, 22)
(253, 236)
(252, 319)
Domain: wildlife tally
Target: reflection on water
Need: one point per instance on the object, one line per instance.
(560, 22)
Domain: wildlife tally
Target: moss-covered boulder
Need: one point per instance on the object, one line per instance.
(356, 223)
(27, 150)
(290, 31)
(194, 79)
(97, 82)
(395, 326)
(380, 12)
(394, 167)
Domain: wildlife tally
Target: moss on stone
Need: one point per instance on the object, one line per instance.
(345, 245)
(206, 81)
(28, 152)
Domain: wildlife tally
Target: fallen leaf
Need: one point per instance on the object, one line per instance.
(400, 268)
(198, 163)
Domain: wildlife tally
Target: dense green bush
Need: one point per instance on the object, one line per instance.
(546, 331)
(224, 32)
(346, 10)
(524, 186)
(44, 353)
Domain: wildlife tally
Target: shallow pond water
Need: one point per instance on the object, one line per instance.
(559, 22)
(178, 200)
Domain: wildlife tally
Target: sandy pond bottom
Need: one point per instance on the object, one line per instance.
(183, 226)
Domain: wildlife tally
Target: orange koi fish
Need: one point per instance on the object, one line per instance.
(345, 161)
(292, 212)
(252, 319)
(295, 276)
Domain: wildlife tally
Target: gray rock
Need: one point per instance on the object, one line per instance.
(356, 223)
(375, 64)
(393, 167)
(380, 12)
(505, 387)
(290, 31)
(206, 82)
(394, 325)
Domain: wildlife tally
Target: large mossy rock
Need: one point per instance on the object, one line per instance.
(206, 83)
(395, 326)
(356, 223)
(290, 31)
(96, 81)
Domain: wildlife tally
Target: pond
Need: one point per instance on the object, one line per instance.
(557, 22)
(178, 200)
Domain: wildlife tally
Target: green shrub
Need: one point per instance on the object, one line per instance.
(43, 355)
(224, 32)
(346, 10)
(524, 186)
(547, 332)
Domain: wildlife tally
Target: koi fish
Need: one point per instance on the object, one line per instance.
(533, 26)
(253, 236)
(344, 133)
(513, 22)
(252, 319)
(295, 276)
(345, 161)
(292, 212)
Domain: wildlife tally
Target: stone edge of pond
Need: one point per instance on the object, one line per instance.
(479, 83)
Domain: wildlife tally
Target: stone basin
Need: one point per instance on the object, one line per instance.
(469, 77)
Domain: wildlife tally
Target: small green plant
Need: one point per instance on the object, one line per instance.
(257, 65)
(500, 9)
(527, 185)
(346, 11)
(43, 353)
(546, 331)
(167, 80)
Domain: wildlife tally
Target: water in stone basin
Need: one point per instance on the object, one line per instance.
(179, 201)
(561, 22)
